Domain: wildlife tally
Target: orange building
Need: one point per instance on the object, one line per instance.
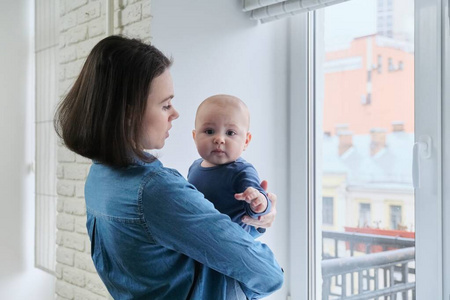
(369, 85)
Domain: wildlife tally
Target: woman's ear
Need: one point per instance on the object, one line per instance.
(248, 138)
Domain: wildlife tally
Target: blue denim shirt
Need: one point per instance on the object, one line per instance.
(154, 236)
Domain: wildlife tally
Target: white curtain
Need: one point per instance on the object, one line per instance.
(269, 10)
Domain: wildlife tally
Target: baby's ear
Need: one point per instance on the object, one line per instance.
(248, 138)
(193, 134)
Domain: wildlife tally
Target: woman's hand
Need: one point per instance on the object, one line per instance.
(266, 220)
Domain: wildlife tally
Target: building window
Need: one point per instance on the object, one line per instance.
(327, 210)
(395, 216)
(389, 5)
(364, 215)
(389, 21)
(390, 64)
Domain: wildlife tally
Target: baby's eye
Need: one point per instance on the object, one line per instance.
(209, 131)
(231, 133)
(167, 107)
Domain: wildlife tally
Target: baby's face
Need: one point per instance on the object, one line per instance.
(221, 132)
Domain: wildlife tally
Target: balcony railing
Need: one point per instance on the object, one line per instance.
(389, 274)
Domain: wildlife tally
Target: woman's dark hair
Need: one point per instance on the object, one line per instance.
(101, 116)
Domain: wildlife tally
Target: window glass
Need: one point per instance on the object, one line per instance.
(364, 94)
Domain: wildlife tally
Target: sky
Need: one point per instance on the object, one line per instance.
(348, 20)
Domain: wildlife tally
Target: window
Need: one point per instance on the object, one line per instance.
(379, 63)
(364, 215)
(328, 211)
(389, 21)
(426, 79)
(373, 165)
(395, 216)
(390, 65)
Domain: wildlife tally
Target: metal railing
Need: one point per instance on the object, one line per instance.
(387, 274)
(354, 239)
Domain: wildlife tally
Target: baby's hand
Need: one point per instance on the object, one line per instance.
(267, 220)
(257, 201)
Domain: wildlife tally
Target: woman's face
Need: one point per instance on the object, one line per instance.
(159, 112)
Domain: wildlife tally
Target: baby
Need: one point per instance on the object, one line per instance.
(221, 135)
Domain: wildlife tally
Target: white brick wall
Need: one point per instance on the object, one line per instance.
(82, 24)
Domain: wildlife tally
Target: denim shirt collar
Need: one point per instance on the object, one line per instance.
(138, 161)
(135, 160)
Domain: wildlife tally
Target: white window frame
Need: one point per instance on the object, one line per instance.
(431, 44)
(299, 283)
(446, 145)
(428, 122)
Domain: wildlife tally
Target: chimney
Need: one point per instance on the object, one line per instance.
(398, 126)
(378, 140)
(340, 127)
(345, 141)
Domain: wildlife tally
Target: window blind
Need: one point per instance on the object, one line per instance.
(269, 10)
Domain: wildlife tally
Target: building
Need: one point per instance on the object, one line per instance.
(368, 126)
(395, 19)
(369, 84)
(366, 188)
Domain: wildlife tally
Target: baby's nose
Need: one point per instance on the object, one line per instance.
(218, 139)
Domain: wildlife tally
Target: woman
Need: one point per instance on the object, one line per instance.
(153, 235)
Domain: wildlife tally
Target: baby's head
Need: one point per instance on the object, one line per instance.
(221, 129)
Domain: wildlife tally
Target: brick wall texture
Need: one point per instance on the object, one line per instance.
(82, 23)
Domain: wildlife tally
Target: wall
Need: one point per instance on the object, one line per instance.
(82, 25)
(19, 279)
(225, 53)
(217, 49)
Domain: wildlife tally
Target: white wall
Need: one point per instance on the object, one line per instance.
(217, 49)
(18, 277)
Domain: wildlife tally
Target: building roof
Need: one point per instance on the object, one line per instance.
(390, 168)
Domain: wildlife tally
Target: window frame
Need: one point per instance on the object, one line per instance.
(429, 51)
(428, 122)
(446, 144)
(300, 283)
